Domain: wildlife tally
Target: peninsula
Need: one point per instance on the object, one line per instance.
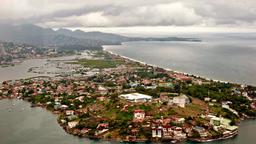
(118, 99)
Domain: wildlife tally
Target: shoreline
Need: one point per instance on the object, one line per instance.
(198, 140)
(81, 136)
(116, 139)
(171, 70)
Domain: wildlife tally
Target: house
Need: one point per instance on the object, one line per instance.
(102, 90)
(223, 123)
(134, 84)
(178, 133)
(101, 98)
(181, 77)
(72, 124)
(167, 132)
(157, 131)
(177, 120)
(136, 97)
(80, 98)
(102, 128)
(207, 99)
(146, 82)
(69, 112)
(181, 101)
(151, 87)
(139, 115)
(197, 82)
(164, 97)
(63, 107)
(72, 117)
(201, 131)
(166, 84)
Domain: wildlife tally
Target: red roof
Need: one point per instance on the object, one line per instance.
(139, 111)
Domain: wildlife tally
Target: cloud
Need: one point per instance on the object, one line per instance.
(162, 14)
(116, 13)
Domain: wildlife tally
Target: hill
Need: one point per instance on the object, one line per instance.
(67, 39)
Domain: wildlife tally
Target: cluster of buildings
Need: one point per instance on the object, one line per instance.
(12, 53)
(90, 105)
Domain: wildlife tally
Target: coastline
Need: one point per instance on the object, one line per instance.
(168, 69)
(232, 135)
(113, 139)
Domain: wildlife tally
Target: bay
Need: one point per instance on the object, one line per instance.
(225, 57)
(21, 124)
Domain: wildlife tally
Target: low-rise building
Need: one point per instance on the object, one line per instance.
(69, 112)
(72, 124)
(201, 131)
(136, 97)
(181, 100)
(102, 128)
(139, 115)
(157, 132)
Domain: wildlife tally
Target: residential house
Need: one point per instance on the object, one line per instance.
(157, 131)
(181, 101)
(102, 90)
(178, 133)
(167, 132)
(201, 131)
(102, 128)
(139, 115)
(72, 124)
(69, 112)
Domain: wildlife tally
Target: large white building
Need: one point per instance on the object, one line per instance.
(136, 97)
(181, 100)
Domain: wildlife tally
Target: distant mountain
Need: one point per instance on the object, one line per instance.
(107, 38)
(64, 38)
(35, 35)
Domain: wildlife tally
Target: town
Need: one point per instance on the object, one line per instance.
(15, 53)
(124, 100)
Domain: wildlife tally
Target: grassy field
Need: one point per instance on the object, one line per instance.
(194, 109)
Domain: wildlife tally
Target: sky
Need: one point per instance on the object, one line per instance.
(236, 14)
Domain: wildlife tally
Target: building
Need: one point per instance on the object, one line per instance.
(139, 115)
(157, 132)
(136, 97)
(102, 90)
(223, 123)
(181, 100)
(167, 132)
(102, 128)
(69, 112)
(201, 131)
(72, 124)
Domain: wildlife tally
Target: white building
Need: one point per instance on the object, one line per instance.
(181, 100)
(157, 132)
(72, 124)
(136, 97)
(69, 112)
(139, 114)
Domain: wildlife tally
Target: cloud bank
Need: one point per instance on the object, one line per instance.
(126, 13)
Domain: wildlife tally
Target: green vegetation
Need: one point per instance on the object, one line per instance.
(98, 63)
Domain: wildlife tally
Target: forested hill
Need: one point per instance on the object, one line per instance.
(67, 39)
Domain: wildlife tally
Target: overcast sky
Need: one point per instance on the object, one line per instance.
(127, 13)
